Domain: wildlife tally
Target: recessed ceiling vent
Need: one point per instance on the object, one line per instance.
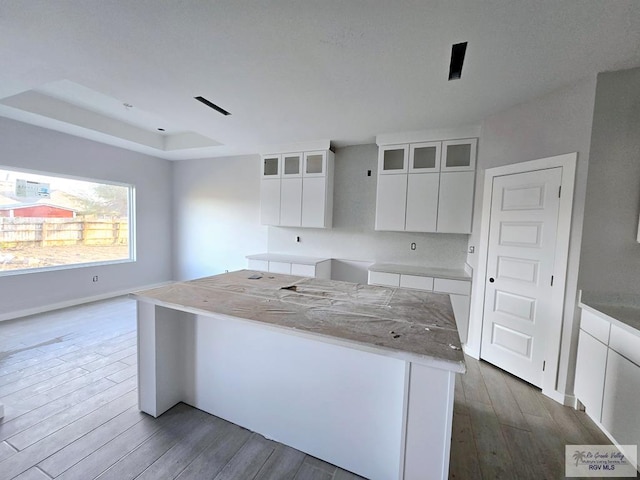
(457, 59)
(212, 105)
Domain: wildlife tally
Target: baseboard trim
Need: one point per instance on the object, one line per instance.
(561, 398)
(76, 301)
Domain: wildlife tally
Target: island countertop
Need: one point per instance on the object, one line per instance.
(410, 324)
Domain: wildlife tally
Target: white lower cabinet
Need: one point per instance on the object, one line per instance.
(290, 265)
(620, 411)
(607, 380)
(591, 364)
(416, 281)
(459, 291)
(280, 267)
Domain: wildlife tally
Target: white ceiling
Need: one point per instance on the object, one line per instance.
(292, 71)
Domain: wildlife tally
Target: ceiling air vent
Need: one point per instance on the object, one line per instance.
(212, 105)
(457, 59)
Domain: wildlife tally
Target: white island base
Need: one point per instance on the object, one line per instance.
(379, 416)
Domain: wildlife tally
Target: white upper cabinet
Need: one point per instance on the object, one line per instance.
(391, 202)
(297, 189)
(291, 165)
(422, 202)
(271, 166)
(426, 186)
(459, 155)
(424, 157)
(291, 190)
(393, 159)
(315, 164)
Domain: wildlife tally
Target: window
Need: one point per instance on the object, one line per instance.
(51, 222)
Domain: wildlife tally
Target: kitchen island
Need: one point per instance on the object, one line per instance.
(360, 376)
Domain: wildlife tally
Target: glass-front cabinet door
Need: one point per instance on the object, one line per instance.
(393, 159)
(291, 165)
(271, 166)
(424, 157)
(459, 155)
(315, 164)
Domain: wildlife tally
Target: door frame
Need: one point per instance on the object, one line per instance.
(568, 164)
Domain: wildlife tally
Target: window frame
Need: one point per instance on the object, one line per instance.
(131, 199)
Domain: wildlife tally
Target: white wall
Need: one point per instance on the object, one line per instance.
(352, 236)
(29, 147)
(557, 123)
(610, 260)
(216, 213)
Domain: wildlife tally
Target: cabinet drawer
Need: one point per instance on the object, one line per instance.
(280, 267)
(260, 265)
(303, 270)
(445, 285)
(625, 343)
(384, 278)
(416, 281)
(595, 326)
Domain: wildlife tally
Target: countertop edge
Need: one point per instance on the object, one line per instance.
(594, 310)
(442, 364)
(436, 272)
(283, 257)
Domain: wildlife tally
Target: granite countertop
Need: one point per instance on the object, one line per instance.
(448, 273)
(623, 310)
(408, 324)
(281, 257)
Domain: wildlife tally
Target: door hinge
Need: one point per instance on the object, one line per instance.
(552, 280)
(544, 364)
(559, 191)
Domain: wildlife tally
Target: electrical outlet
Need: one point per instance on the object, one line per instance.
(472, 249)
(297, 239)
(95, 278)
(413, 245)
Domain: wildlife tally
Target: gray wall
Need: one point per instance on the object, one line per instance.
(557, 123)
(352, 236)
(610, 259)
(29, 147)
(216, 213)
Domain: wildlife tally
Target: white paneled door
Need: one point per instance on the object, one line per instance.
(518, 296)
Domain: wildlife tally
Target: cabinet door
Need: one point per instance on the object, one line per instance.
(291, 202)
(422, 202)
(424, 157)
(303, 270)
(270, 201)
(391, 202)
(591, 363)
(620, 403)
(384, 278)
(271, 166)
(291, 165)
(459, 155)
(416, 281)
(280, 267)
(314, 202)
(455, 204)
(315, 164)
(393, 159)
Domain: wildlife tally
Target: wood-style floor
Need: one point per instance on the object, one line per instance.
(68, 383)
